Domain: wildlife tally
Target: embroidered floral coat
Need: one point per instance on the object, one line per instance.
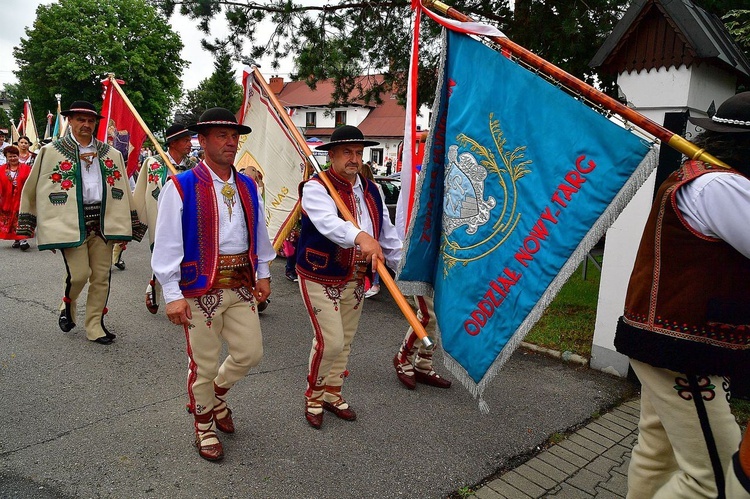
(52, 199)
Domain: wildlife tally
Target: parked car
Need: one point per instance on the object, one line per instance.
(391, 187)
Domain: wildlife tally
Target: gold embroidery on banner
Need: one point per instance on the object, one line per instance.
(470, 163)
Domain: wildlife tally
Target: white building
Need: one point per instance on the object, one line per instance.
(311, 113)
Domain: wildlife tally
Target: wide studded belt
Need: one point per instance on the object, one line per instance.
(91, 216)
(233, 271)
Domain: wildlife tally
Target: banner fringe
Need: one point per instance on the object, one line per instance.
(594, 235)
(597, 231)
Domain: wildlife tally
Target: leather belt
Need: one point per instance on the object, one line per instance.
(360, 266)
(233, 271)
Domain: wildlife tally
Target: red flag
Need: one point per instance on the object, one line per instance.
(120, 128)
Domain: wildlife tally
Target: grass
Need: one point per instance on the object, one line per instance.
(568, 323)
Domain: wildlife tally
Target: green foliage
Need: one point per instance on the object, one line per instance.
(568, 323)
(738, 24)
(220, 89)
(74, 44)
(342, 39)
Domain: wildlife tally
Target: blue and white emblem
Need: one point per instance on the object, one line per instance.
(464, 193)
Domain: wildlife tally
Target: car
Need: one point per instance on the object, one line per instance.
(391, 188)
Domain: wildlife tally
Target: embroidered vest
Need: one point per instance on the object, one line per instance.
(200, 227)
(686, 309)
(318, 258)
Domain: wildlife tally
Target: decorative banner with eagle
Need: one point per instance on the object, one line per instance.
(519, 181)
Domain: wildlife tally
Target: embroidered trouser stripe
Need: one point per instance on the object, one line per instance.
(687, 436)
(334, 314)
(221, 314)
(90, 262)
(713, 453)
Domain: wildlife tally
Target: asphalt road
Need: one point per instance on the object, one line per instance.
(81, 419)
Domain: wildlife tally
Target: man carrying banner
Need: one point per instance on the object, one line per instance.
(211, 256)
(686, 326)
(153, 175)
(79, 201)
(333, 256)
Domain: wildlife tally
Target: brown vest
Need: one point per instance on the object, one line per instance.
(688, 302)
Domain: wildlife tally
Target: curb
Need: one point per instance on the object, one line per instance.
(566, 356)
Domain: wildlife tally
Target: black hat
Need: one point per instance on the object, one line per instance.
(346, 134)
(733, 116)
(218, 116)
(83, 107)
(176, 131)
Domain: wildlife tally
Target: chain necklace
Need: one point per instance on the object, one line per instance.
(228, 192)
(358, 202)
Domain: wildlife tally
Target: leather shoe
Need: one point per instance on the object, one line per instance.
(108, 333)
(315, 420)
(225, 424)
(103, 340)
(153, 308)
(65, 323)
(210, 452)
(347, 414)
(431, 378)
(408, 381)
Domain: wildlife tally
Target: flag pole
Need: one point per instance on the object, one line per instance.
(382, 270)
(113, 82)
(666, 136)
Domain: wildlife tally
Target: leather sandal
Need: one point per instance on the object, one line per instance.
(431, 378)
(315, 420)
(347, 414)
(405, 373)
(209, 446)
(225, 424)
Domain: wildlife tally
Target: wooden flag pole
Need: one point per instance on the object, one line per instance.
(113, 82)
(666, 136)
(382, 270)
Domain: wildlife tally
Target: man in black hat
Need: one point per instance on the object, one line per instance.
(151, 179)
(333, 256)
(78, 200)
(211, 256)
(686, 326)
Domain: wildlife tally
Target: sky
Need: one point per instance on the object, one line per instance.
(20, 14)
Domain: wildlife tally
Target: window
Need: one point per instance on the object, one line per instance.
(340, 118)
(376, 156)
(310, 119)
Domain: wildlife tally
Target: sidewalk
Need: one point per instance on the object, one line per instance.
(592, 462)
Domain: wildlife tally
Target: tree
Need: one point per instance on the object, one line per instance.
(345, 38)
(74, 44)
(220, 89)
(738, 24)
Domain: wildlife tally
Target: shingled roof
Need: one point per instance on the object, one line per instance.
(384, 120)
(669, 33)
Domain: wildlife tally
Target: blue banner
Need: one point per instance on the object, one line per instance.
(518, 183)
